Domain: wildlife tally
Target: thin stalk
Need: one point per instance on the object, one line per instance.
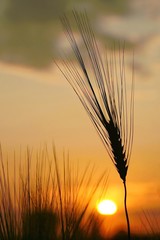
(126, 211)
(60, 196)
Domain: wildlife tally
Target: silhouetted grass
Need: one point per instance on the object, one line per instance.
(38, 201)
(41, 202)
(75, 194)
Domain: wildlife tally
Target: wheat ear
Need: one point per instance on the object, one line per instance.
(101, 88)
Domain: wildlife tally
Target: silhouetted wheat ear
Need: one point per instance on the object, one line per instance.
(101, 87)
(118, 150)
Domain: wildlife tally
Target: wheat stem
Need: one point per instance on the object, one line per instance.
(126, 211)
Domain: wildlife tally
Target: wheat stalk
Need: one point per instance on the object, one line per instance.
(101, 88)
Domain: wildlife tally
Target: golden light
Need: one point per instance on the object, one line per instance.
(106, 207)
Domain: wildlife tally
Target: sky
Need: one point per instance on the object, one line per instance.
(39, 107)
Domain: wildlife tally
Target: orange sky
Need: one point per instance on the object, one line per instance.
(39, 107)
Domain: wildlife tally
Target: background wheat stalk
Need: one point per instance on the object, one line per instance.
(101, 87)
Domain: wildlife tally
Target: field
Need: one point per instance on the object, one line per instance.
(36, 200)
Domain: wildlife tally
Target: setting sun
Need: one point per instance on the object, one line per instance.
(106, 207)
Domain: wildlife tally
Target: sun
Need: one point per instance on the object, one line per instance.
(107, 207)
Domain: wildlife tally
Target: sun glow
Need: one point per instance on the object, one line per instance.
(106, 207)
